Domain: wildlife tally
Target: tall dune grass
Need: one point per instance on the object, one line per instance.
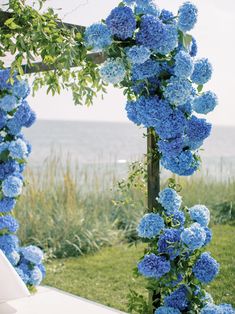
(70, 211)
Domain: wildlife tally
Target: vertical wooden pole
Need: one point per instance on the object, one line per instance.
(153, 170)
(153, 164)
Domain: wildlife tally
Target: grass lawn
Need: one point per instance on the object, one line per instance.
(107, 276)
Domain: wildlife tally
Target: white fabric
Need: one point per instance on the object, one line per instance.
(11, 285)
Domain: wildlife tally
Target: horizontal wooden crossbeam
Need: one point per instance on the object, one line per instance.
(97, 58)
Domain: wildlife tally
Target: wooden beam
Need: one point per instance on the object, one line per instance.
(6, 15)
(97, 58)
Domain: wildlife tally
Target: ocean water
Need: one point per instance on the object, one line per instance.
(103, 143)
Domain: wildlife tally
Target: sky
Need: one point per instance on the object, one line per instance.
(215, 36)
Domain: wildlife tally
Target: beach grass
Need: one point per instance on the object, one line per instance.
(106, 276)
(70, 210)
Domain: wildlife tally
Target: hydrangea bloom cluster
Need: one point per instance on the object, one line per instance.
(15, 113)
(150, 226)
(187, 16)
(155, 63)
(200, 214)
(152, 57)
(206, 268)
(175, 237)
(153, 266)
(113, 71)
(170, 200)
(98, 37)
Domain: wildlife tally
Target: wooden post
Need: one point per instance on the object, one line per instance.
(153, 164)
(153, 170)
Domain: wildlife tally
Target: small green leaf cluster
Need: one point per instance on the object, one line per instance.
(31, 36)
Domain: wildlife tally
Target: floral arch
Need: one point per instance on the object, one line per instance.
(150, 55)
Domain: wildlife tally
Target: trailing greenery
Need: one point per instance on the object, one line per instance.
(106, 276)
(72, 211)
(30, 35)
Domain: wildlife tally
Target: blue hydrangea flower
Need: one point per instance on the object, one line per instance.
(169, 39)
(205, 103)
(193, 48)
(211, 309)
(167, 16)
(171, 126)
(121, 22)
(208, 236)
(9, 223)
(20, 89)
(10, 167)
(3, 147)
(178, 218)
(178, 299)
(4, 77)
(202, 71)
(23, 275)
(148, 86)
(9, 243)
(186, 108)
(138, 54)
(43, 270)
(7, 204)
(168, 243)
(148, 110)
(171, 147)
(227, 309)
(206, 268)
(166, 310)
(197, 130)
(18, 149)
(149, 68)
(9, 103)
(98, 36)
(153, 266)
(31, 120)
(3, 119)
(35, 277)
(129, 2)
(150, 226)
(156, 35)
(147, 8)
(193, 237)
(12, 186)
(113, 71)
(200, 214)
(170, 200)
(177, 91)
(13, 257)
(183, 65)
(24, 116)
(32, 254)
(187, 16)
(132, 112)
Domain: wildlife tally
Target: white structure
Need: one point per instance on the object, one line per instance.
(16, 299)
(11, 285)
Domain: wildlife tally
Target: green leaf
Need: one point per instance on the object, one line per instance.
(200, 88)
(11, 24)
(187, 39)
